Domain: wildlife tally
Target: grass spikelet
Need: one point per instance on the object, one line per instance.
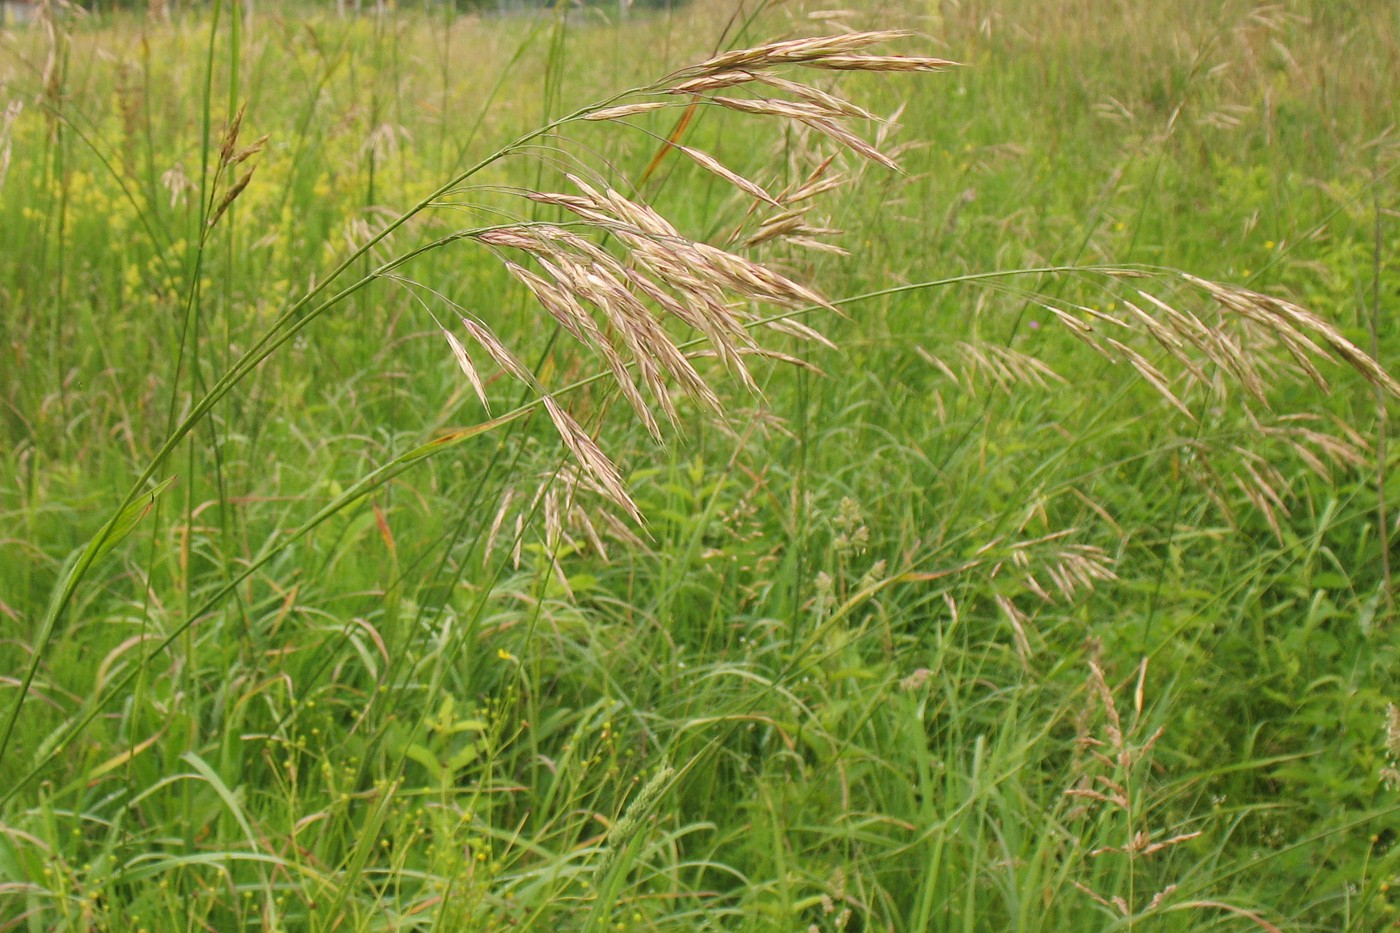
(1390, 773)
(230, 196)
(757, 281)
(459, 353)
(1284, 316)
(713, 82)
(249, 151)
(7, 125)
(851, 141)
(1017, 620)
(1168, 339)
(230, 139)
(1004, 367)
(515, 237)
(788, 225)
(791, 51)
(1151, 374)
(626, 110)
(803, 111)
(711, 164)
(590, 457)
(684, 278)
(819, 181)
(497, 350)
(559, 303)
(795, 328)
(897, 63)
(817, 97)
(494, 531)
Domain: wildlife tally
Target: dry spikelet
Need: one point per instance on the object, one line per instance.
(819, 246)
(553, 527)
(558, 303)
(1117, 758)
(1187, 326)
(7, 124)
(1151, 375)
(230, 196)
(695, 301)
(1288, 316)
(231, 135)
(516, 237)
(1230, 355)
(497, 350)
(851, 141)
(177, 183)
(711, 164)
(1074, 324)
(590, 457)
(1168, 339)
(1390, 774)
(903, 63)
(790, 226)
(464, 361)
(771, 228)
(590, 531)
(1099, 684)
(789, 51)
(1006, 368)
(819, 181)
(652, 350)
(757, 281)
(1018, 620)
(248, 152)
(1269, 481)
(802, 111)
(767, 354)
(794, 328)
(626, 110)
(819, 118)
(494, 531)
(1346, 448)
(1262, 324)
(583, 207)
(713, 82)
(704, 314)
(699, 273)
(830, 103)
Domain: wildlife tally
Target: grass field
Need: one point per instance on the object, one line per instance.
(342, 587)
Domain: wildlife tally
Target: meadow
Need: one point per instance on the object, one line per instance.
(430, 500)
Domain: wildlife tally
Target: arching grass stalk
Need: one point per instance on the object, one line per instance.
(137, 502)
(125, 521)
(692, 282)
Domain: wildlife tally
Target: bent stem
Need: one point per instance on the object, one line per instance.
(288, 325)
(750, 279)
(124, 518)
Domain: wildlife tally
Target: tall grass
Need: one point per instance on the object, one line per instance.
(1043, 589)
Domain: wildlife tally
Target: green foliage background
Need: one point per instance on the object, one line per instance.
(796, 699)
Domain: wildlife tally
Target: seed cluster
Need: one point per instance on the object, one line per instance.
(617, 301)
